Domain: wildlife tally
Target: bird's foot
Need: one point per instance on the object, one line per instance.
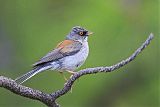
(72, 73)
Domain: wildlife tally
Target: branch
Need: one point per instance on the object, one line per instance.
(50, 99)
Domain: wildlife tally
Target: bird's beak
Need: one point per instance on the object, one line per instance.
(89, 33)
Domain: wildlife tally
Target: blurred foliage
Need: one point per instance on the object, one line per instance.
(31, 28)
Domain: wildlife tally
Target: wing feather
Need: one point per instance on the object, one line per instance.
(65, 48)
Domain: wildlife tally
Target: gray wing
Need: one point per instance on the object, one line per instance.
(60, 52)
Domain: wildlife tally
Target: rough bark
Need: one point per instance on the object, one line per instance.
(50, 99)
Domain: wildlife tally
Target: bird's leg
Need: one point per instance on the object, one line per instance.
(65, 79)
(63, 76)
(71, 72)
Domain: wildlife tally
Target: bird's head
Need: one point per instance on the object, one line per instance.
(79, 33)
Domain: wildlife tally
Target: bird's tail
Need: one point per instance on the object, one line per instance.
(30, 74)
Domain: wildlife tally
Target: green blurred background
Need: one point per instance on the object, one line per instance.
(31, 28)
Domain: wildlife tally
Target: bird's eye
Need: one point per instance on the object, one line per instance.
(81, 33)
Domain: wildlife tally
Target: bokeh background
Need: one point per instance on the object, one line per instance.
(31, 28)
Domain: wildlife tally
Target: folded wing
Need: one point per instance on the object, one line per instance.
(63, 49)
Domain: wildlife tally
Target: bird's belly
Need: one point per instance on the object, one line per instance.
(73, 62)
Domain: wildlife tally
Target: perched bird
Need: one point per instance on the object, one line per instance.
(69, 55)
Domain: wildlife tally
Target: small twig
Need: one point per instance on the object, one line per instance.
(50, 99)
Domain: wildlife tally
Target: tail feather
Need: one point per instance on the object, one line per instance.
(28, 75)
(25, 77)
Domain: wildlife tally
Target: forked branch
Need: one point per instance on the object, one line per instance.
(50, 99)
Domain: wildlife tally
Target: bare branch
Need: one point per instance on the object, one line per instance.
(50, 99)
(26, 91)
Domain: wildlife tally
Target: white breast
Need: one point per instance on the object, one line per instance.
(75, 61)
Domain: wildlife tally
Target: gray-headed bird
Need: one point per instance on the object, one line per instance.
(69, 55)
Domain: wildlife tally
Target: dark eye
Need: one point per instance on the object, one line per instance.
(81, 33)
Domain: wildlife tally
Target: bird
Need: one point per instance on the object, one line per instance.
(68, 55)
